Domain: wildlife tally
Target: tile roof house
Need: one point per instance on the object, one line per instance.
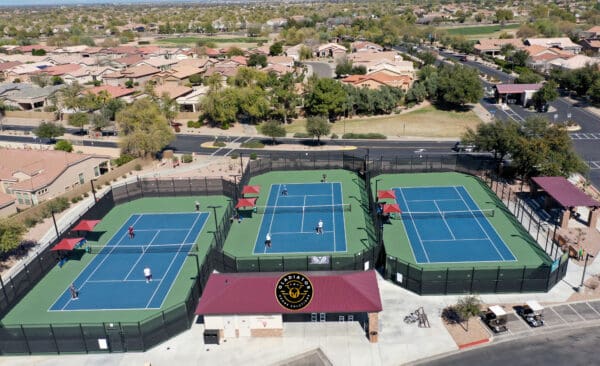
(160, 62)
(280, 60)
(378, 79)
(330, 50)
(362, 46)
(32, 176)
(127, 61)
(191, 102)
(591, 45)
(113, 91)
(493, 46)
(138, 74)
(8, 205)
(27, 96)
(540, 56)
(562, 43)
(576, 62)
(172, 90)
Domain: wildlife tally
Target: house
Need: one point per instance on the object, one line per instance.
(127, 61)
(8, 205)
(258, 304)
(191, 102)
(171, 90)
(519, 93)
(590, 34)
(540, 56)
(239, 60)
(562, 43)
(23, 71)
(277, 22)
(330, 50)
(378, 79)
(285, 61)
(591, 46)
(159, 62)
(27, 96)
(573, 63)
(367, 58)
(33, 176)
(294, 51)
(137, 74)
(114, 92)
(493, 46)
(362, 46)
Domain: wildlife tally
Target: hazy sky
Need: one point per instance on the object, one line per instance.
(73, 2)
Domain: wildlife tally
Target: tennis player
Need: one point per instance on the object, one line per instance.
(320, 227)
(74, 292)
(284, 191)
(148, 274)
(268, 240)
(131, 232)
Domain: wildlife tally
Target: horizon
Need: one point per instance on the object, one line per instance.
(50, 3)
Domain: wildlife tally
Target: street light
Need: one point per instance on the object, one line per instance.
(587, 256)
(55, 226)
(235, 176)
(376, 185)
(215, 215)
(241, 163)
(93, 189)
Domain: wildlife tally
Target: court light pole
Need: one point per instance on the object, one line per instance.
(241, 163)
(376, 186)
(235, 176)
(214, 208)
(55, 226)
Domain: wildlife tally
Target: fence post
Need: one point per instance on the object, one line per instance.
(25, 338)
(173, 185)
(141, 186)
(472, 279)
(83, 338)
(54, 338)
(523, 278)
(497, 279)
(127, 192)
(446, 285)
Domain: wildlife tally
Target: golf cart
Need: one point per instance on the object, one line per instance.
(532, 312)
(496, 318)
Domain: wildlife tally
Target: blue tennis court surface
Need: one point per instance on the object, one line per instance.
(114, 279)
(445, 225)
(292, 219)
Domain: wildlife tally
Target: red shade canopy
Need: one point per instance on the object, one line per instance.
(67, 244)
(246, 202)
(85, 225)
(391, 208)
(251, 190)
(386, 194)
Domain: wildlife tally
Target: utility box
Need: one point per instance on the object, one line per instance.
(211, 336)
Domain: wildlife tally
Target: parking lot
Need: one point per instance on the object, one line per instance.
(555, 316)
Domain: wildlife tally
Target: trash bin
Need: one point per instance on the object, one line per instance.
(211, 336)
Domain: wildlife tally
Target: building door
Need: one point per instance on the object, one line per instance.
(243, 327)
(229, 327)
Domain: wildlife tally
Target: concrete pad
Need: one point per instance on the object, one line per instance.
(516, 324)
(567, 313)
(552, 319)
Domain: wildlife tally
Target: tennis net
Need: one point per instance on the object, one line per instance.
(141, 249)
(449, 214)
(303, 209)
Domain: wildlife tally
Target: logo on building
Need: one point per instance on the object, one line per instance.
(294, 291)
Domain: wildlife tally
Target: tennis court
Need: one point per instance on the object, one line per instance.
(445, 225)
(292, 219)
(114, 279)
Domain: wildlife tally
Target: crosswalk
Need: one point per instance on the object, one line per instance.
(594, 165)
(585, 136)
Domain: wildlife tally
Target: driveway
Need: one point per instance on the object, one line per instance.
(322, 69)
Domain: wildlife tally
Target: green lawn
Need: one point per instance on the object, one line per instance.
(480, 30)
(242, 236)
(33, 309)
(522, 245)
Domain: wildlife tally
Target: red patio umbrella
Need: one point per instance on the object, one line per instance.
(67, 244)
(391, 208)
(246, 202)
(386, 194)
(85, 225)
(251, 190)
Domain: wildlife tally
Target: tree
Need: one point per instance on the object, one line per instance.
(428, 58)
(343, 67)
(305, 53)
(284, 98)
(528, 77)
(168, 107)
(64, 145)
(458, 85)
(318, 126)
(272, 129)
(520, 57)
(594, 92)
(254, 30)
(503, 15)
(416, 94)
(143, 129)
(526, 31)
(276, 49)
(56, 80)
(49, 130)
(101, 119)
(220, 107)
(234, 51)
(257, 60)
(195, 79)
(78, 119)
(325, 97)
(465, 308)
(545, 95)
(498, 137)
(11, 234)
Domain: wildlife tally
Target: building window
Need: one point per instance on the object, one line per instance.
(26, 199)
(313, 317)
(96, 171)
(341, 318)
(322, 317)
(19, 198)
(81, 179)
(350, 318)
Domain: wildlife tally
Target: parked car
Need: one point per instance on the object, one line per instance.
(459, 147)
(496, 318)
(533, 313)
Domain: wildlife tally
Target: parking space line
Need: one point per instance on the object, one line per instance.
(561, 318)
(588, 304)
(576, 312)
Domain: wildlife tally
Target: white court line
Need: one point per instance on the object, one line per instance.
(272, 213)
(303, 205)
(333, 217)
(299, 232)
(120, 281)
(415, 226)
(444, 219)
(141, 255)
(442, 240)
(171, 263)
(104, 259)
(443, 199)
(162, 229)
(479, 223)
(310, 195)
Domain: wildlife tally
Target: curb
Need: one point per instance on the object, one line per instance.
(472, 344)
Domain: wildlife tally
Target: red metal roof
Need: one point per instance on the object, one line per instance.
(67, 244)
(517, 88)
(251, 190)
(246, 202)
(254, 293)
(565, 193)
(85, 225)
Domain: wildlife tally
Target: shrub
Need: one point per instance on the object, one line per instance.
(137, 167)
(367, 136)
(253, 144)
(253, 156)
(175, 159)
(334, 136)
(75, 199)
(187, 158)
(234, 156)
(86, 195)
(219, 144)
(194, 124)
(56, 205)
(301, 135)
(63, 145)
(30, 221)
(123, 159)
(143, 42)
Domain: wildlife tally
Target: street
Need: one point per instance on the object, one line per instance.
(567, 347)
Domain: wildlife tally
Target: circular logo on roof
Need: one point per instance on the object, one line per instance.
(294, 291)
